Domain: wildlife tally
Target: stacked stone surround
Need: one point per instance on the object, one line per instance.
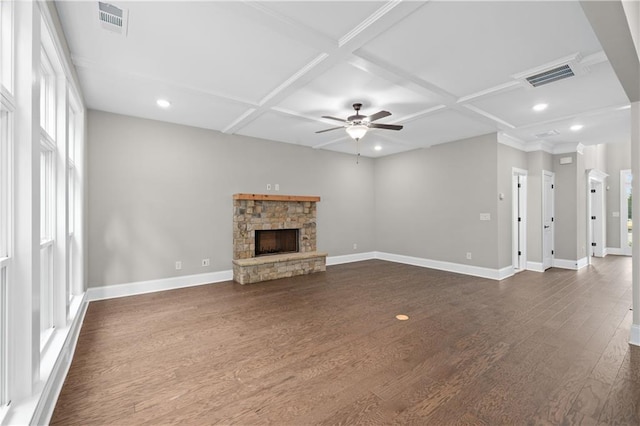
(253, 212)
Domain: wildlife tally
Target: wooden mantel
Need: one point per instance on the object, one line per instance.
(271, 197)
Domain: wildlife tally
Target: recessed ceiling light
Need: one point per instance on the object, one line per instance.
(576, 127)
(402, 317)
(377, 148)
(540, 107)
(163, 103)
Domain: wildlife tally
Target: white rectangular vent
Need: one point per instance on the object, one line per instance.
(113, 18)
(547, 134)
(549, 76)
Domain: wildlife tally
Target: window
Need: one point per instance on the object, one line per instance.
(47, 96)
(47, 217)
(5, 241)
(6, 45)
(6, 185)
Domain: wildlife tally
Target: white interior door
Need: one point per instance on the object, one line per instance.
(548, 187)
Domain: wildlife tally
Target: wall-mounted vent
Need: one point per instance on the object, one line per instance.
(113, 18)
(549, 76)
(548, 134)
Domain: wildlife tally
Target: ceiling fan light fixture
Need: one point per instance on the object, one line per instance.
(357, 131)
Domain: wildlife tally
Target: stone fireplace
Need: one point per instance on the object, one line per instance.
(274, 236)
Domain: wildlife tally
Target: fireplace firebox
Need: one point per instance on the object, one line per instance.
(276, 241)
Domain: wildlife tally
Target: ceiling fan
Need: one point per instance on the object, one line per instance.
(357, 125)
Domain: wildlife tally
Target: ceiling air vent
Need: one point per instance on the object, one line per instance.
(549, 76)
(547, 134)
(113, 18)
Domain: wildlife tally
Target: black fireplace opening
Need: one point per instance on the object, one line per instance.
(276, 241)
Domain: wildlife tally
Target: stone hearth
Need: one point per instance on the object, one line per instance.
(253, 212)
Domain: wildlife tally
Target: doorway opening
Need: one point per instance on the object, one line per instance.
(519, 219)
(626, 222)
(548, 209)
(596, 220)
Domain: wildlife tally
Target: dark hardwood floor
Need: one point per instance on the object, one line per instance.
(537, 348)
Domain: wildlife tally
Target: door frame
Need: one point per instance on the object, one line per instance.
(552, 175)
(519, 228)
(596, 178)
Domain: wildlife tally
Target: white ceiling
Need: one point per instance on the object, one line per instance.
(446, 70)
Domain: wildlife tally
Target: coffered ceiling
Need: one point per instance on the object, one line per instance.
(446, 70)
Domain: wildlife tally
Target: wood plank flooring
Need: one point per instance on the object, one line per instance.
(326, 348)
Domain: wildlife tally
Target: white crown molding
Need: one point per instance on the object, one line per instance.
(511, 141)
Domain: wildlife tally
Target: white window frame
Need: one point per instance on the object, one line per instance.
(7, 109)
(47, 238)
(6, 239)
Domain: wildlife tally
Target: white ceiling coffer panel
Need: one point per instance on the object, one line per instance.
(189, 108)
(271, 69)
(465, 47)
(597, 89)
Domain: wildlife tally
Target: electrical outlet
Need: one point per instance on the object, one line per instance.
(469, 255)
(206, 262)
(178, 265)
(485, 216)
(268, 187)
(277, 187)
(355, 246)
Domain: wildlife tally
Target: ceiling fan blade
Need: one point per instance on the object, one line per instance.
(334, 118)
(328, 130)
(386, 126)
(378, 115)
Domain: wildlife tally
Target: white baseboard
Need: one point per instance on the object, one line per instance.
(348, 258)
(476, 271)
(616, 251)
(151, 286)
(535, 266)
(634, 337)
(570, 264)
(506, 272)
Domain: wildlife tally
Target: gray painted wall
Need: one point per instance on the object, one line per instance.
(508, 158)
(428, 202)
(618, 158)
(566, 210)
(160, 192)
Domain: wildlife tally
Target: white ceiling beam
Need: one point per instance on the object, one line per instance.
(381, 20)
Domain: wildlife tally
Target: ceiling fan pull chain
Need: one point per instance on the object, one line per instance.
(357, 151)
